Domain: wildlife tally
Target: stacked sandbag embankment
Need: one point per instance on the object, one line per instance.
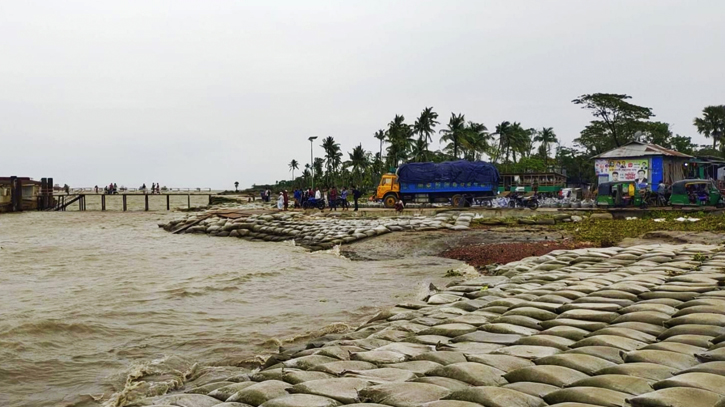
(642, 326)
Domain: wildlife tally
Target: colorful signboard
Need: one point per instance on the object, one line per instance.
(623, 170)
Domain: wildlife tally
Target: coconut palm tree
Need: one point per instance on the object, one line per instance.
(503, 131)
(455, 133)
(236, 186)
(712, 123)
(358, 162)
(546, 137)
(475, 143)
(424, 125)
(400, 138)
(333, 156)
(293, 165)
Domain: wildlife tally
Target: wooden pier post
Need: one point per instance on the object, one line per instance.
(103, 202)
(80, 203)
(124, 202)
(209, 199)
(168, 202)
(146, 201)
(188, 200)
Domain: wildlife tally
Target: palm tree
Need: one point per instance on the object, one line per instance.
(546, 137)
(503, 131)
(424, 125)
(332, 156)
(294, 165)
(475, 142)
(317, 167)
(236, 186)
(712, 123)
(400, 138)
(455, 133)
(358, 162)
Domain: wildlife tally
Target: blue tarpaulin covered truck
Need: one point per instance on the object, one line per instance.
(460, 182)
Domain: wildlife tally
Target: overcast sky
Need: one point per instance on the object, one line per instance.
(205, 93)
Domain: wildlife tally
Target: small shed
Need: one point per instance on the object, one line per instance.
(641, 162)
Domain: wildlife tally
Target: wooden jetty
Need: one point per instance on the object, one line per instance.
(64, 201)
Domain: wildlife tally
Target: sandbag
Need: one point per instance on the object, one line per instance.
(716, 355)
(308, 362)
(449, 330)
(336, 368)
(676, 397)
(449, 403)
(419, 367)
(717, 368)
(379, 357)
(519, 320)
(605, 352)
(588, 395)
(476, 374)
(625, 333)
(546, 340)
(444, 358)
(584, 363)
(185, 400)
(448, 383)
(532, 389)
(610, 340)
(497, 397)
(531, 312)
(697, 319)
(548, 374)
(301, 400)
(708, 330)
(649, 329)
(678, 361)
(650, 371)
(223, 393)
(504, 363)
(589, 315)
(382, 375)
(403, 394)
(621, 383)
(526, 351)
(675, 347)
(344, 389)
(503, 328)
(568, 332)
(260, 393)
(300, 376)
(704, 381)
(648, 317)
(488, 337)
(590, 326)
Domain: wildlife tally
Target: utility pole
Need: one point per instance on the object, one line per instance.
(312, 161)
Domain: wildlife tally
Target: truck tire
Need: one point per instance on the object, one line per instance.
(457, 201)
(389, 200)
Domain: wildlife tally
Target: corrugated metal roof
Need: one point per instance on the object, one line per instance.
(639, 149)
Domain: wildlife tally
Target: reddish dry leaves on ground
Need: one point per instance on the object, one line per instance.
(485, 254)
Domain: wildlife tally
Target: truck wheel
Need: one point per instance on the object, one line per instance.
(457, 201)
(389, 200)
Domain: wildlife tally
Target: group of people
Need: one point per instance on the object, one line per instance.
(332, 197)
(265, 195)
(155, 188)
(109, 189)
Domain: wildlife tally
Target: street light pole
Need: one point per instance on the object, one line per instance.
(312, 162)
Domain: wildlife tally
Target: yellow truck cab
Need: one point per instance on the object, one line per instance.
(388, 190)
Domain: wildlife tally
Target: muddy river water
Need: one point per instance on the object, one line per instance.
(87, 297)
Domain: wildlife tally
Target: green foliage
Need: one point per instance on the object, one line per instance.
(616, 115)
(453, 273)
(700, 257)
(712, 123)
(609, 232)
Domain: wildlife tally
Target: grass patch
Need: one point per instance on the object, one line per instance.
(609, 232)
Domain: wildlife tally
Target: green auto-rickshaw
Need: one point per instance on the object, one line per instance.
(695, 192)
(619, 194)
